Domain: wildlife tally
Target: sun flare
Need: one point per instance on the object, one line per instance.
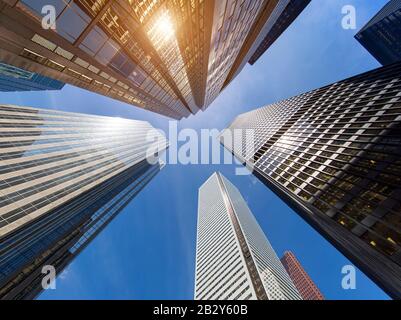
(164, 26)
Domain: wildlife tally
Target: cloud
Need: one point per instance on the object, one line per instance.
(64, 274)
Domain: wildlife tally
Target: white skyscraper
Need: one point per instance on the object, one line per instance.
(234, 259)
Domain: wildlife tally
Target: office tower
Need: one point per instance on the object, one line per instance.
(234, 260)
(304, 284)
(381, 35)
(63, 178)
(167, 56)
(287, 13)
(334, 155)
(265, 32)
(17, 79)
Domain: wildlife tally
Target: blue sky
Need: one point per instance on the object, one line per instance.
(148, 251)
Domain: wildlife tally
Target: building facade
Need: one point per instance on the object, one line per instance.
(17, 79)
(285, 15)
(304, 284)
(167, 56)
(381, 35)
(275, 20)
(63, 178)
(234, 260)
(334, 155)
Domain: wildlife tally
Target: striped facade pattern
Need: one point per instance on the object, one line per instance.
(17, 79)
(63, 177)
(234, 260)
(234, 22)
(333, 154)
(265, 30)
(305, 285)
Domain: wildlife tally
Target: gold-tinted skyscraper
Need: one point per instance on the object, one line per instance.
(172, 57)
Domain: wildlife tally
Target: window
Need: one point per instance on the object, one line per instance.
(64, 53)
(93, 41)
(72, 22)
(138, 76)
(54, 65)
(81, 62)
(93, 69)
(37, 5)
(33, 56)
(107, 52)
(44, 42)
(122, 64)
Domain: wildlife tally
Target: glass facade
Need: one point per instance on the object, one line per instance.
(17, 79)
(381, 35)
(167, 56)
(233, 23)
(333, 154)
(234, 260)
(63, 177)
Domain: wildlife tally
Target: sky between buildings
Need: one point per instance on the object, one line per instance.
(148, 251)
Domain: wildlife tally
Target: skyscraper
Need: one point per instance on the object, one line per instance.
(167, 56)
(286, 13)
(17, 79)
(334, 155)
(381, 35)
(266, 31)
(234, 260)
(63, 178)
(306, 287)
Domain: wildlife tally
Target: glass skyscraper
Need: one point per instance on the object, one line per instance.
(234, 259)
(334, 155)
(63, 178)
(167, 56)
(17, 79)
(381, 35)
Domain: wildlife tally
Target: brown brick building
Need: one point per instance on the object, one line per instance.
(302, 281)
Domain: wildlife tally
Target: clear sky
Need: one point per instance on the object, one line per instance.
(148, 251)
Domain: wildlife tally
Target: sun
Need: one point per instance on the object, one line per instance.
(164, 26)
